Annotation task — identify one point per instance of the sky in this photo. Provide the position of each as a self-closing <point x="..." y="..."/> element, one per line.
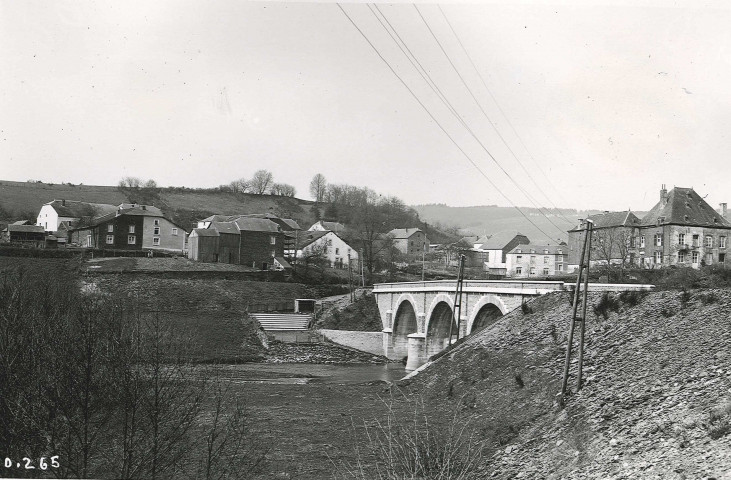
<point x="569" y="104"/>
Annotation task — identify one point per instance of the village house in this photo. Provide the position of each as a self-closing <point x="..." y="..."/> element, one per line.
<point x="131" y="227"/>
<point x="327" y="247"/>
<point x="527" y="260"/>
<point x="21" y="233"/>
<point x="252" y="241"/>
<point x="681" y="229"/>
<point x="409" y="241"/>
<point x="53" y="213"/>
<point x="490" y="252"/>
<point x="614" y="239"/>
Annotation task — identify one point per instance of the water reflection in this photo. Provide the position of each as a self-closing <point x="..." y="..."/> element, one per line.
<point x="300" y="373"/>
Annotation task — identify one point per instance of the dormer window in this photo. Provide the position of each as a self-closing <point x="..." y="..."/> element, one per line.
<point x="686" y="218"/>
<point x="519" y="251"/>
<point x="545" y="251"/>
<point x="660" y="220"/>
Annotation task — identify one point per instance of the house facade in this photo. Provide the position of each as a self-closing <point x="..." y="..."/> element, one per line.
<point x="33" y="235"/>
<point x="409" y="241"/>
<point x="251" y="241"/>
<point x="327" y="247"/>
<point x="136" y="227"/>
<point x="680" y="230"/>
<point x="615" y="237"/>
<point x="530" y="261"/>
<point x="491" y="252"/>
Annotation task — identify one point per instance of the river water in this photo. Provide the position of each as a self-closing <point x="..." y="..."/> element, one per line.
<point x="303" y="373"/>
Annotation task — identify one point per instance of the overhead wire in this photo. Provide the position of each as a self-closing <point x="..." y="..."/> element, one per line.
<point x="510" y="124"/>
<point x="477" y="102"/>
<point x="423" y="106"/>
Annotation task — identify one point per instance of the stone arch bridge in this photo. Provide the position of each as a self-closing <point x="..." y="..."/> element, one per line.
<point x="416" y="316"/>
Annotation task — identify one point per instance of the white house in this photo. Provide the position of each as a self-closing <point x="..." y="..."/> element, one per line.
<point x="495" y="250"/>
<point x="537" y="260"/>
<point x="57" y="211"/>
<point x="327" y="246"/>
<point x="323" y="226"/>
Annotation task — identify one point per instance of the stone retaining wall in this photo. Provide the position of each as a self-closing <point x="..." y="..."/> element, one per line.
<point x="371" y="342"/>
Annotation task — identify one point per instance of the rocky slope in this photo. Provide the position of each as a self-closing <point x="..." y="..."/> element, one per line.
<point x="655" y="403"/>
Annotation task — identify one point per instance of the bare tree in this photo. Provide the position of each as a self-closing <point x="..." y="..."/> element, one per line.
<point x="612" y="248"/>
<point x="241" y="185"/>
<point x="283" y="189"/>
<point x="262" y="181"/>
<point x="130" y="182"/>
<point x="318" y="187"/>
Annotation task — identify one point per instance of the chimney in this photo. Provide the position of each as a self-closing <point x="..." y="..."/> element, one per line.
<point x="63" y="203"/>
<point x="663" y="195"/>
<point x="144" y="207"/>
<point x="723" y="209"/>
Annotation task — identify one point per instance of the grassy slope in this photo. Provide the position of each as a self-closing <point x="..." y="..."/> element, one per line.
<point x="653" y="372"/>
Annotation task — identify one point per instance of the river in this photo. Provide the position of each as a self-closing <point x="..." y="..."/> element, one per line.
<point x="304" y="373"/>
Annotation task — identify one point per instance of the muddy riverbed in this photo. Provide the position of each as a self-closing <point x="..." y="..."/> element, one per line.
<point x="310" y="415"/>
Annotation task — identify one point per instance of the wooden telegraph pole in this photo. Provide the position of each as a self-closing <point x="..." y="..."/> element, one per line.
<point x="457" y="312"/>
<point x="583" y="274"/>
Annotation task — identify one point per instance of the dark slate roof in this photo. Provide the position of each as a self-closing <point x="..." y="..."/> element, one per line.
<point x="500" y="240"/>
<point x="684" y="207"/>
<point x="77" y="209"/>
<point x="225" y="227"/>
<point x="401" y="233"/>
<point x="147" y="211"/>
<point x="205" y="232"/>
<point x="21" y="222"/>
<point x="310" y="236"/>
<point x="624" y="218"/>
<point x="292" y="224"/>
<point x="25" y="228"/>
<point x="249" y="224"/>
<point x="532" y="249"/>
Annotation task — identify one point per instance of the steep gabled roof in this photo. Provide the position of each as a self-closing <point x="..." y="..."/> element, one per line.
<point x="78" y="209"/>
<point x="624" y="218"/>
<point x="309" y="237"/>
<point x="683" y="206"/>
<point x="225" y="227"/>
<point x="249" y="224"/>
<point x="500" y="240"/>
<point x="401" y="233"/>
<point x="204" y="232"/>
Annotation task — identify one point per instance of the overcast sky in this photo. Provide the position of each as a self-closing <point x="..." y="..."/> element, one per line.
<point x="608" y="101"/>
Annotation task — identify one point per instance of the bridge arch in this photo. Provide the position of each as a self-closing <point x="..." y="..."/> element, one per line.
<point x="486" y="311"/>
<point x="404" y="323"/>
<point x="439" y="326"/>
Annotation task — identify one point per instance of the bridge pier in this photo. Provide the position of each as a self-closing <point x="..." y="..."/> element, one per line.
<point x="387" y="335"/>
<point x="417" y="355"/>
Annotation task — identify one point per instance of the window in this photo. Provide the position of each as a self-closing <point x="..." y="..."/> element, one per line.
<point x="721" y="257"/>
<point x="545" y="271"/>
<point x="694" y="257"/>
<point x="175" y="231"/>
<point x="518" y="270"/>
<point x="559" y="258"/>
<point x="487" y="256"/>
<point x="532" y="270"/>
<point x="532" y="259"/>
<point x="722" y="242"/>
<point x="682" y="257"/>
<point x="709" y="258"/>
<point x="337" y="251"/>
<point x="642" y="241"/>
<point x="658" y="256"/>
<point x="110" y="228"/>
<point x="681" y="239"/>
<point x="273" y="253"/>
<point x="695" y="240"/>
<point x="157" y="222"/>
<point x="131" y="239"/>
<point x="658" y="239"/>
<point x="156" y="231"/>
<point x="632" y="241"/>
<point x="89" y="242"/>
<point x="272" y="240"/>
<point x="110" y="239"/>
<point x="559" y="267"/>
<point x="156" y="241"/>
<point x="545" y="251"/>
<point x="518" y="258"/>
<point x="131" y="229"/>
<point x="709" y="241"/>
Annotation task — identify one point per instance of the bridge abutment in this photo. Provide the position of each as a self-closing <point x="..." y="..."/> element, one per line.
<point x="418" y="353"/>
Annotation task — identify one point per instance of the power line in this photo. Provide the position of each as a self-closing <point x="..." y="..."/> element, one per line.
<point x="436" y="121"/>
<point x="497" y="104"/>
<point x="464" y="82"/>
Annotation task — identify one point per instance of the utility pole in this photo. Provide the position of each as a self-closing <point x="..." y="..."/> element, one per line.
<point x="362" y="272"/>
<point x="350" y="279"/>
<point x="583" y="275"/>
<point x="423" y="258"/>
<point x="457" y="311"/>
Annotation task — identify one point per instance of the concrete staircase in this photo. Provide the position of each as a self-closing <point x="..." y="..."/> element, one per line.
<point x="283" y="321"/>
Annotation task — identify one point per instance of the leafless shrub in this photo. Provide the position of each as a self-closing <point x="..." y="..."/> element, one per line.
<point x="417" y="447"/>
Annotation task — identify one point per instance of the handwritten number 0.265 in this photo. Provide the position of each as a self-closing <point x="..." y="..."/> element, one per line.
<point x="29" y="463"/>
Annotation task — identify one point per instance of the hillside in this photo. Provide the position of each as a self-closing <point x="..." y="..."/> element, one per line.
<point x="655" y="403"/>
<point x="490" y="219"/>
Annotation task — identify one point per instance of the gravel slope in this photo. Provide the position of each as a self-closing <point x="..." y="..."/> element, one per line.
<point x="655" y="372"/>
